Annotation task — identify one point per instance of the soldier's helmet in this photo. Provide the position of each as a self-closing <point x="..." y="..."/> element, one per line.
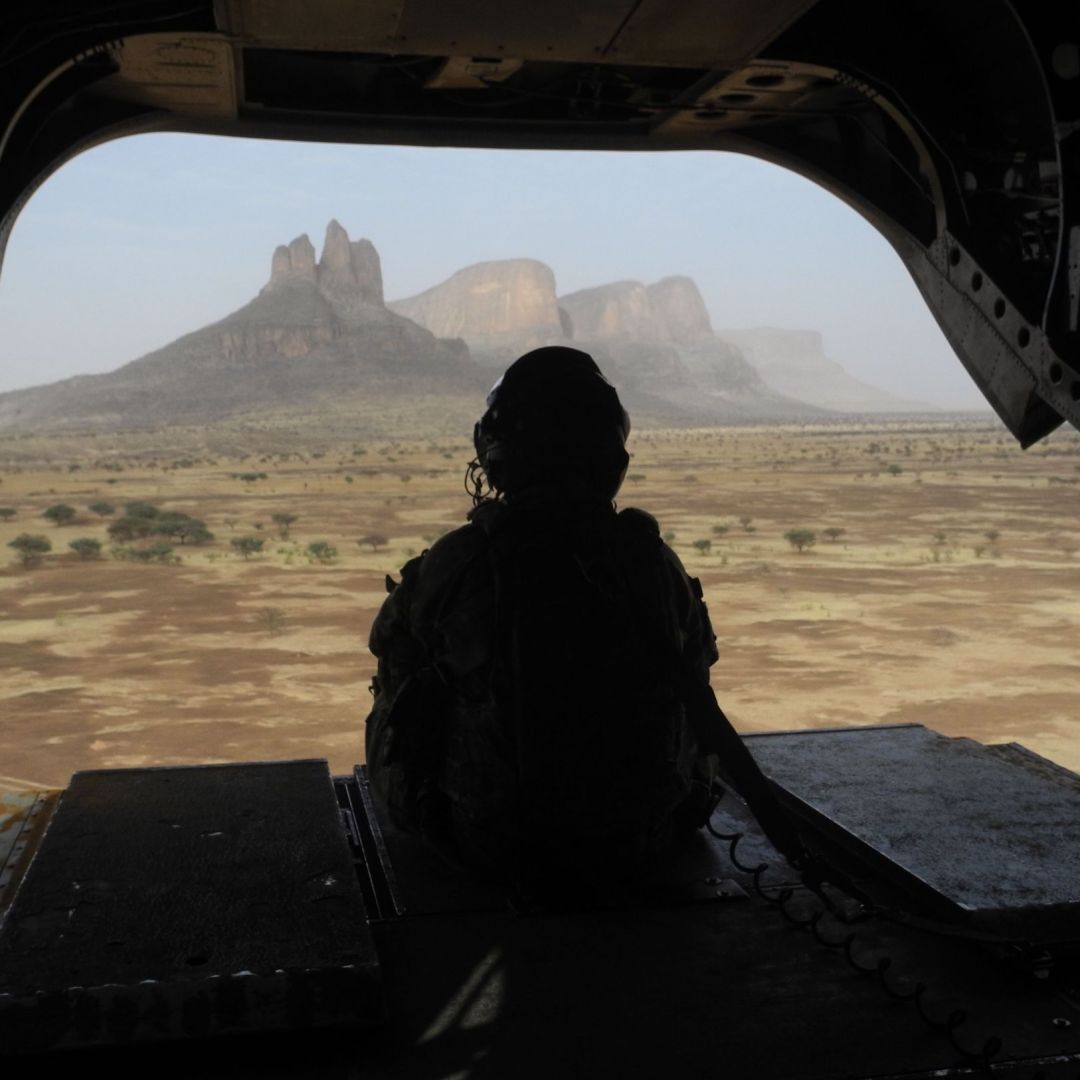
<point x="553" y="418"/>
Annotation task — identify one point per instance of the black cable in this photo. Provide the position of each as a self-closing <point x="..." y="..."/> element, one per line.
<point x="477" y="485"/>
<point x="135" y="23"/>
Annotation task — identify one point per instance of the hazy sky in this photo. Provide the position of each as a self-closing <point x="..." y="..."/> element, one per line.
<point x="146" y="238"/>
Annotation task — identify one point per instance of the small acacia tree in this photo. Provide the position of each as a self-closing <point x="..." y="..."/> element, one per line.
<point x="158" y="551"/>
<point x="137" y="522"/>
<point x="834" y="533"/>
<point x="321" y="550"/>
<point x="102" y="508"/>
<point x="60" y="514"/>
<point x="703" y="546"/>
<point x="7" y="513"/>
<point x="801" y="539"/>
<point x="272" y="620"/>
<point x="283" y="521"/>
<point x="86" y="547"/>
<point x="30" y="548"/>
<point x="140" y="509"/>
<point x="375" y="540"/>
<point x="182" y="527"/>
<point x="248" y="545"/>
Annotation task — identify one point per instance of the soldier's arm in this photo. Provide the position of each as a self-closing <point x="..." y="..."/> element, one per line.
<point x="698" y="639"/>
<point x="392" y="643"/>
<point x="700" y="646"/>
<point x="392" y="640"/>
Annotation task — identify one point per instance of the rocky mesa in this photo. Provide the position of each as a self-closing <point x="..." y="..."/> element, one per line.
<point x="654" y="341"/>
<point x="317" y="331"/>
<point x="794" y="363"/>
<point x="500" y="308"/>
<point x="319" y="337"/>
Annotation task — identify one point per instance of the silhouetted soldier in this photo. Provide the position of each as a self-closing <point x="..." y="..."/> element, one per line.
<point x="542" y="690"/>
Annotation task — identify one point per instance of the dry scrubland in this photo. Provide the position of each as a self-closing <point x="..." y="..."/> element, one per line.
<point x="949" y="598"/>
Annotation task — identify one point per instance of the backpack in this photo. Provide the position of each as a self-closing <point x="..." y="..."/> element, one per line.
<point x="604" y="751"/>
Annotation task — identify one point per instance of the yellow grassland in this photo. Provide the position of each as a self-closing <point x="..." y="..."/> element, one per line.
<point x="950" y="598"/>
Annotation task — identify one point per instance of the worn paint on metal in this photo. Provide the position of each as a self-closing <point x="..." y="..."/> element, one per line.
<point x="24" y="816"/>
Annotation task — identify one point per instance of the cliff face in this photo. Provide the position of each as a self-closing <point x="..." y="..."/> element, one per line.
<point x="294" y="262"/>
<point x="654" y="341"/>
<point x="679" y="310"/>
<point x="349" y="274"/>
<point x="670" y="310"/>
<point x="659" y="340"/>
<point x="317" y="328"/>
<point x="620" y="311"/>
<point x="507" y="306"/>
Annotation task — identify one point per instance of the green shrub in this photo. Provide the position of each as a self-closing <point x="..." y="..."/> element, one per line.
<point x="60" y="514"/>
<point x="322" y="551"/>
<point x="248" y="545"/>
<point x="283" y="521"/>
<point x="801" y="539"/>
<point x="158" y="551"/>
<point x="30" y="548"/>
<point x="86" y="547"/>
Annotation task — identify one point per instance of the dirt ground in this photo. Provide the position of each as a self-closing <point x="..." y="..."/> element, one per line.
<point x="948" y="599"/>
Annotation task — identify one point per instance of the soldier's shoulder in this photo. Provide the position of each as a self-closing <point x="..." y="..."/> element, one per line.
<point x="639" y="521"/>
<point x="454" y="547"/>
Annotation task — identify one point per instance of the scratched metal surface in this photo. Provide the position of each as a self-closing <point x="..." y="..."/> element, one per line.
<point x="24" y="816"/>
<point x="14" y="807"/>
<point x="187" y="901"/>
<point x="984" y="831"/>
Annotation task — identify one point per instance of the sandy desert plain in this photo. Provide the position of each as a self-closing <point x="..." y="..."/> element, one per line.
<point x="949" y="598"/>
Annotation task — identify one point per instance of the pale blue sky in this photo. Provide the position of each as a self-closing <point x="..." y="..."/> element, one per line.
<point x="141" y="240"/>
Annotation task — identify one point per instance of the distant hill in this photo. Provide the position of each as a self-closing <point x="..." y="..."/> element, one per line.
<point x="655" y="342"/>
<point x="318" y="345"/>
<point x="794" y="363"/>
<point x="317" y="332"/>
<point x="501" y="309"/>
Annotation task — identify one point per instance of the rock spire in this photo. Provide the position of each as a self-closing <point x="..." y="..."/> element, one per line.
<point x="293" y="262"/>
<point x="348" y="272"/>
